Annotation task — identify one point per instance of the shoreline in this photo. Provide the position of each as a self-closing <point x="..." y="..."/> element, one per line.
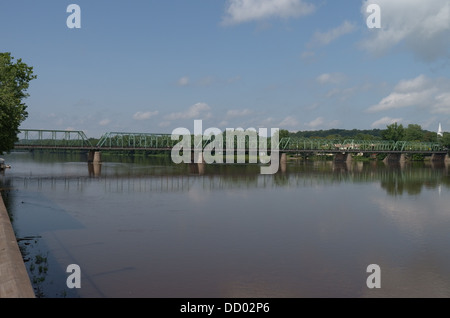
<point x="14" y="279"/>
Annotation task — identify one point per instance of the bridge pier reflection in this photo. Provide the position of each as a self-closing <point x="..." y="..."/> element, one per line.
<point x="283" y="162"/>
<point x="94" y="169"/>
<point x="341" y="166"/>
<point x="197" y="168"/>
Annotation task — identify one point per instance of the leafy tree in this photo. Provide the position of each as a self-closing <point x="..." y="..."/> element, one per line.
<point x="340" y="133"/>
<point x="413" y="132"/>
<point x="445" y="140"/>
<point x="361" y="136"/>
<point x="430" y="136"/>
<point x="283" y="133"/>
<point x="393" y="132"/>
<point x="14" y="82"/>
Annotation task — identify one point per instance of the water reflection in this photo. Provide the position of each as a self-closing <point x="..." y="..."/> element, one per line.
<point x="95" y="169"/>
<point x="156" y="175"/>
<point x="147" y="228"/>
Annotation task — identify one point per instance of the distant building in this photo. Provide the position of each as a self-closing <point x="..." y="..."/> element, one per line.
<point x="440" y="132"/>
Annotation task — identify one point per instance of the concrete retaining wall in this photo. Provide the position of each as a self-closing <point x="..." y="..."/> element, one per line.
<point x="14" y="279"/>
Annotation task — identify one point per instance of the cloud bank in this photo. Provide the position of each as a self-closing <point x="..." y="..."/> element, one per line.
<point x="241" y="11"/>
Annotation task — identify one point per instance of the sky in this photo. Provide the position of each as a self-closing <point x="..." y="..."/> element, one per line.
<point x="153" y="66"/>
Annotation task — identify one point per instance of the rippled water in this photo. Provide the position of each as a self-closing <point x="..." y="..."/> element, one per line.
<point x="141" y="227"/>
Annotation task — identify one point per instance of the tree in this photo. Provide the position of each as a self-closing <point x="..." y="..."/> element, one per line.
<point x="14" y="82"/>
<point x="445" y="140"/>
<point x="284" y="134"/>
<point x="393" y="132"/>
<point x="414" y="132"/>
<point x="430" y="136"/>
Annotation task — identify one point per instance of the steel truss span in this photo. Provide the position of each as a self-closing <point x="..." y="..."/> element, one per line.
<point x="75" y="139"/>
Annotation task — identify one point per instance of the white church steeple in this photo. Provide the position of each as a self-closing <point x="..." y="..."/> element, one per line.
<point x="440" y="132"/>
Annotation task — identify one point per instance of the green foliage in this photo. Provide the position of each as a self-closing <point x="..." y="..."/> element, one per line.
<point x="283" y="133"/>
<point x="393" y="132"/>
<point x="340" y="134"/>
<point x="430" y="136"/>
<point x="417" y="157"/>
<point x="94" y="141"/>
<point x="14" y="82"/>
<point x="445" y="140"/>
<point x="413" y="132"/>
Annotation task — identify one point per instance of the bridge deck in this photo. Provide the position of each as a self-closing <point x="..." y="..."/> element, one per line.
<point x="117" y="141"/>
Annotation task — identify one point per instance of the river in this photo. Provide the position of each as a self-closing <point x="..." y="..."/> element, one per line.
<point x="146" y="228"/>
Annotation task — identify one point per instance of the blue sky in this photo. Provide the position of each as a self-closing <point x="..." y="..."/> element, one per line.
<point x="153" y="66"/>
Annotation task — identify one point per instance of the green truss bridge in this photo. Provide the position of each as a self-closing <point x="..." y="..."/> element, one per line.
<point x="29" y="139"/>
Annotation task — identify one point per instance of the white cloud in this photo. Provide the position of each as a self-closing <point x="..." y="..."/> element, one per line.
<point x="164" y="124"/>
<point x="400" y="100"/>
<point x="325" y="38"/>
<point x="184" y="81"/>
<point x="316" y="122"/>
<point x="104" y="122"/>
<point x="442" y="105"/>
<point x="223" y="123"/>
<point x="321" y="123"/>
<point x="145" y="115"/>
<point x="307" y="55"/>
<point x="238" y="113"/>
<point x="330" y="78"/>
<point x="422" y="27"/>
<point x="333" y="93"/>
<point x="406" y="86"/>
<point x="198" y="111"/>
<point x="289" y="122"/>
<point x="385" y="121"/>
<point x="240" y="11"/>
<point x="422" y="92"/>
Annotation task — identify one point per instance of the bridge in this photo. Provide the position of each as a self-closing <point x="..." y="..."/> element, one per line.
<point x="29" y="139"/>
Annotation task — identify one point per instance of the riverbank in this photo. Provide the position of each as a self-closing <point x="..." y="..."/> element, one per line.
<point x="14" y="279"/>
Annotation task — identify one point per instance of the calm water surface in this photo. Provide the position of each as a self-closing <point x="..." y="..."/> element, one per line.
<point x="141" y="227"/>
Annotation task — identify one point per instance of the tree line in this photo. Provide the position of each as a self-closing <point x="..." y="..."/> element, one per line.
<point x="394" y="132"/>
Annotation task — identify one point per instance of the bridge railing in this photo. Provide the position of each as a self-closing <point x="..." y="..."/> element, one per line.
<point x="135" y="141"/>
<point x="124" y="140"/>
<point x="316" y="144"/>
<point x="33" y="138"/>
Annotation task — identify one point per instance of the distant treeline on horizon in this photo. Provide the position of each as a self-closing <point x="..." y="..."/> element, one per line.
<point x="339" y="133"/>
<point x="393" y="132"/>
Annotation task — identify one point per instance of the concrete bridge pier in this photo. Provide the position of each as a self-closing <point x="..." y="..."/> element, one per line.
<point x="343" y="157"/>
<point x="395" y="158"/>
<point x="437" y="157"/>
